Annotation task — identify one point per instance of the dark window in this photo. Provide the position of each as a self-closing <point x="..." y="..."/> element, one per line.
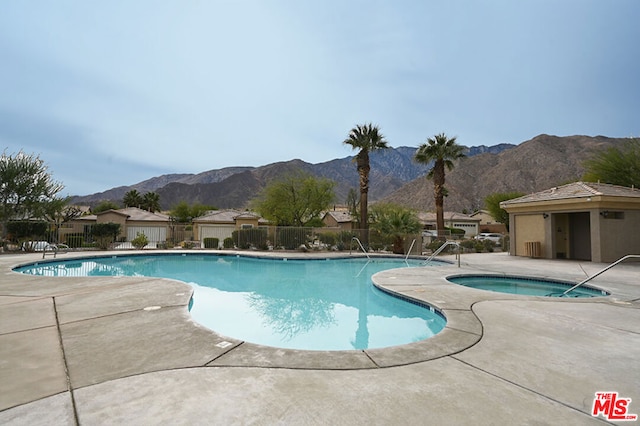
<point x="612" y="215"/>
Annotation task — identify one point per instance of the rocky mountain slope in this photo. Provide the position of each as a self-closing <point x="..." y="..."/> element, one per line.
<point x="537" y="164"/>
<point x="236" y="186"/>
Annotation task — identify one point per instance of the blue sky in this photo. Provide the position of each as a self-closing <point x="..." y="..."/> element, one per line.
<point x="113" y="93"/>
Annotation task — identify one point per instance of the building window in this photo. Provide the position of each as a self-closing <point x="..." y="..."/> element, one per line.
<point x="246" y="226"/>
<point x="612" y="215"/>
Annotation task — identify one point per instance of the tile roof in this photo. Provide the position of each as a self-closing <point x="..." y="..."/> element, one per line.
<point x="431" y="217"/>
<point x="228" y="216"/>
<point x="136" y="214"/>
<point x="341" y="216"/>
<point x="576" y="190"/>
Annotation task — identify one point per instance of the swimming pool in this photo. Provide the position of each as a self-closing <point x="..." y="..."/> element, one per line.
<point x="523" y="285"/>
<point x="311" y="304"/>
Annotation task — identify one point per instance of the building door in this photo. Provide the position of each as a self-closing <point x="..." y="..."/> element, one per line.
<point x="580" y="235"/>
<point x="561" y="230"/>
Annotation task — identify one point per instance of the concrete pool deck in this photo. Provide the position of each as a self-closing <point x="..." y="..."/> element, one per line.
<point x="106" y="350"/>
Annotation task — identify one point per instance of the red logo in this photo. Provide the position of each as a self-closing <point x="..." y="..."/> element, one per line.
<point x="612" y="407"/>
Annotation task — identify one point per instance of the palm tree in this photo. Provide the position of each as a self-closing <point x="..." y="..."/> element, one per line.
<point x="151" y="202"/>
<point x="442" y="151"/>
<point x="396" y="222"/>
<point x="132" y="199"/>
<point x="367" y="138"/>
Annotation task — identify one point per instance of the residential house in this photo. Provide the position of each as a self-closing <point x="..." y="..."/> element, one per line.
<point x="451" y="220"/>
<point x="221" y="224"/>
<point x="488" y="223"/>
<point x="132" y="221"/>
<point x="582" y="221"/>
<point x="341" y="219"/>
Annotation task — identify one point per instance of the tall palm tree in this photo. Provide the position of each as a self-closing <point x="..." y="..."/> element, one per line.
<point x="151" y="202"/>
<point x="442" y="151"/>
<point x="132" y="199"/>
<point x="366" y="138"/>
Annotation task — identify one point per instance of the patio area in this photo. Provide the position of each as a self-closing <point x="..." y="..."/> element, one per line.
<point x="105" y="350"/>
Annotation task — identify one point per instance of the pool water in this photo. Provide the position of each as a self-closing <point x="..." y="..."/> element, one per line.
<point x="525" y="286"/>
<point x="296" y="304"/>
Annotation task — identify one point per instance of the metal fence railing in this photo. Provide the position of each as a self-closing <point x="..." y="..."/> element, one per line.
<point x="79" y="236"/>
<point x="262" y="238"/>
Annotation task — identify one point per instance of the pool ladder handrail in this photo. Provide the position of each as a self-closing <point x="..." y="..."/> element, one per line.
<point x="55" y="249"/>
<point x="410" y="248"/>
<point x="629" y="256"/>
<point x="442" y="247"/>
<point x="361" y="247"/>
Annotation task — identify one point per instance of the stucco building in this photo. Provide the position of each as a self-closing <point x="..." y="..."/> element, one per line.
<point x="451" y="220"/>
<point x="132" y="221"/>
<point x="221" y="223"/>
<point x="341" y="219"/>
<point x="582" y="221"/>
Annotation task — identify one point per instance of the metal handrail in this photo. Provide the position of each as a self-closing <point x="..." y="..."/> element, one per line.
<point x="361" y="246"/>
<point x="55" y="248"/>
<point x="410" y="248"/>
<point x="437" y="252"/>
<point x="629" y="256"/>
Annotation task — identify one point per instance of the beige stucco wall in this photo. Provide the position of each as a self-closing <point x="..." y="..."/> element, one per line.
<point x="330" y="221"/>
<point x="115" y="218"/>
<point x="618" y="237"/>
<point x="525" y="228"/>
<point x="610" y="238"/>
<point x="485" y="218"/>
<point x="246" y="221"/>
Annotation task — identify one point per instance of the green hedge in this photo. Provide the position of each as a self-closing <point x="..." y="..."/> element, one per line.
<point x="211" y="243"/>
<point x="328" y="238"/>
<point x="26" y="229"/>
<point x="105" y="233"/>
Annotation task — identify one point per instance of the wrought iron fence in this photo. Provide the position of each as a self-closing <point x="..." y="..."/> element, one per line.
<point x="262" y="238"/>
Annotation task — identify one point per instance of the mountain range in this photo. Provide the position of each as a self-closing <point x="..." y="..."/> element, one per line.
<point x="530" y="166"/>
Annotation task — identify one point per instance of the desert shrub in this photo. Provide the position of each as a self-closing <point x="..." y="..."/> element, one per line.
<point x="328" y="238"/>
<point x="456" y="232"/>
<point x="140" y="241"/>
<point x="315" y="222"/>
<point x="468" y="244"/>
<point x="379" y="241"/>
<point x="252" y="237"/>
<point x="211" y="242"/>
<point x="291" y="238"/>
<point x="488" y="245"/>
<point x="435" y="245"/>
<point x="105" y="233"/>
<point x="344" y="240"/>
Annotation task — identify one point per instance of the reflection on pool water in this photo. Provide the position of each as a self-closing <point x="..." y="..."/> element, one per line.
<point x="327" y="304"/>
<point x="528" y="286"/>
